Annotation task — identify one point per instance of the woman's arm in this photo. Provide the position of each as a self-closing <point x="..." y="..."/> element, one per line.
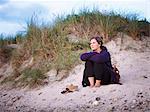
<point x="86" y="56"/>
<point x="100" y="57"/>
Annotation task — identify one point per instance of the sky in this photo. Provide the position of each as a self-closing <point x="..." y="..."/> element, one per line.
<point x="15" y="14"/>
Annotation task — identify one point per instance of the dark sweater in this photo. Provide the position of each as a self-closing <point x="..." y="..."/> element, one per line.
<point x="102" y="57"/>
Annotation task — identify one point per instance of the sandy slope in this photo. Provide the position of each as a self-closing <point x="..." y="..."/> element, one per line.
<point x="133" y="95"/>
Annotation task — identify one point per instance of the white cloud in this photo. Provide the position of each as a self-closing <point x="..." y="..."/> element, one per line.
<point x="11" y="28"/>
<point x="54" y="7"/>
<point x="14" y="11"/>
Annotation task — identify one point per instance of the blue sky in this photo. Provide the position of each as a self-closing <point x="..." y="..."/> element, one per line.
<point x="14" y="14"/>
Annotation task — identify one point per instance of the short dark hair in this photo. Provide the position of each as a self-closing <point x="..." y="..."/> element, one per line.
<point x="98" y="39"/>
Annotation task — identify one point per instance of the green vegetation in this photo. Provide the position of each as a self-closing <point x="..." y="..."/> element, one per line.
<point x="50" y="46"/>
<point x="32" y="77"/>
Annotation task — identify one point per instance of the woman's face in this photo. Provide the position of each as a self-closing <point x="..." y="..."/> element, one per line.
<point x="94" y="45"/>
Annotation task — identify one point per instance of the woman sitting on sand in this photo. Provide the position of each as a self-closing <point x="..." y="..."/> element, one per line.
<point x="97" y="62"/>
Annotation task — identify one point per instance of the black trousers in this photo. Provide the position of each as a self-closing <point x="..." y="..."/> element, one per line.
<point x="99" y="71"/>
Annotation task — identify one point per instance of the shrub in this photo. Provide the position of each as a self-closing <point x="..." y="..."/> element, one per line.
<point x="132" y="26"/>
<point x="32" y="77"/>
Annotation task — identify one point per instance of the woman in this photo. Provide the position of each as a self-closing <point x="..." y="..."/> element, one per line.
<point x="97" y="64"/>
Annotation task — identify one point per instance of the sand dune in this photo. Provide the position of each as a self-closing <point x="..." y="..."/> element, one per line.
<point x="133" y="95"/>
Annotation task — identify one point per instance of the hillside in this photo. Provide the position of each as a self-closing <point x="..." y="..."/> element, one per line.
<point x="133" y="60"/>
